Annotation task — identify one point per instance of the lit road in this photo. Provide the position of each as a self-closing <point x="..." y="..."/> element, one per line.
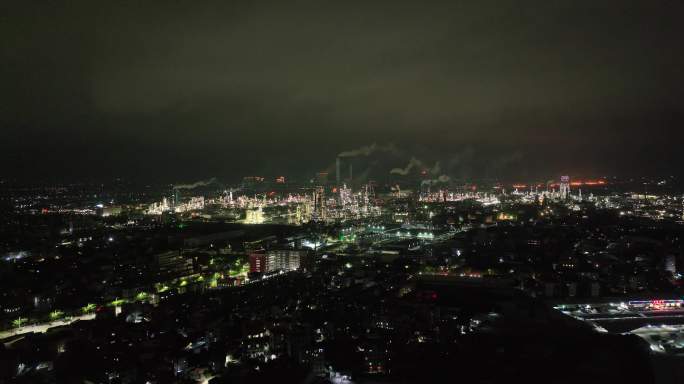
<point x="636" y="317"/>
<point x="639" y="317"/>
<point x="663" y="338"/>
<point x="43" y="327"/>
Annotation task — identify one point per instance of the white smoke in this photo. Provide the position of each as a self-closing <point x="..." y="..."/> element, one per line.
<point x="368" y="150"/>
<point x="415" y="163"/>
<point x="201" y="183"/>
<point x="435" y="169"/>
<point x="442" y="179"/>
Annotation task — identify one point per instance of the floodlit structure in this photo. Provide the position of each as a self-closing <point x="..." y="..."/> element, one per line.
<point x="319" y="204"/>
<point x="276" y="260"/>
<point x="564" y="187"/>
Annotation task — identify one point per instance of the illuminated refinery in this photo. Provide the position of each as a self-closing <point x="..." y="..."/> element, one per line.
<point x="424" y="244"/>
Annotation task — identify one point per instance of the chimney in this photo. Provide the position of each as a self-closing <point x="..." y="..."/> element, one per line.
<point x="337" y="170"/>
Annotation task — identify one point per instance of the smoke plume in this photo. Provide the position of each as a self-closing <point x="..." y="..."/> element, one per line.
<point x="368" y="150"/>
<point x="201" y="183"/>
<point x="440" y="180"/>
<point x="415" y="163"/>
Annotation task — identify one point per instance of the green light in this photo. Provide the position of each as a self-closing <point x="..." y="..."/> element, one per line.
<point x="88" y="308"/>
<point x="183" y="283"/>
<point x="243" y="270"/>
<point x="117" y="302"/>
<point x="141" y="296"/>
<point x="54" y="315"/>
<point x="19" y="322"/>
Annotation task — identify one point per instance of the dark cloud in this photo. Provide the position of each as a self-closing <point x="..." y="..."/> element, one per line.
<point x="185" y="90"/>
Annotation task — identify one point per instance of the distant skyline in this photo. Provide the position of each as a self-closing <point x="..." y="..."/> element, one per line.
<point x="488" y="89"/>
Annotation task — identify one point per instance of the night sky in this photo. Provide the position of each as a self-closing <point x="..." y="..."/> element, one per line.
<point x="182" y="90"/>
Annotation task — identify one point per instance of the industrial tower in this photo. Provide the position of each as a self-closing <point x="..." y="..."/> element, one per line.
<point x="564" y="187"/>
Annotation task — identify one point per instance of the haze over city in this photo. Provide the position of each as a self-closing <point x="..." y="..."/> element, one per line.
<point x="187" y="90"/>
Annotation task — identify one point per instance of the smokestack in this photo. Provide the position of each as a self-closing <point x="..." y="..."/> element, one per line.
<point x="337" y="170"/>
<point x="351" y="174"/>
